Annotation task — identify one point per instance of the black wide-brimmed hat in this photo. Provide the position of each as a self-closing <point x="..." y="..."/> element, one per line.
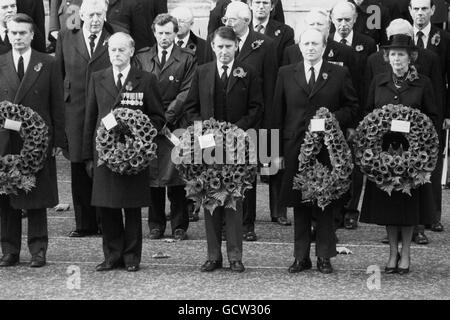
<point x="400" y="41"/>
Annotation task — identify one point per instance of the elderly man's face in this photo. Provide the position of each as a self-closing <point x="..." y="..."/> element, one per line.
<point x="421" y="12"/>
<point x="20" y="35"/>
<point x="8" y="9"/>
<point x="233" y="19"/>
<point x="94" y="17"/>
<point x="343" y="20"/>
<point x="312" y="46"/>
<point x="120" y="51"/>
<point x="318" y="21"/>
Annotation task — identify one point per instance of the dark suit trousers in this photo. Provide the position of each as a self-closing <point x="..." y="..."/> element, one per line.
<point x="11" y="229"/>
<point x="87" y="217"/>
<point x="179" y="215"/>
<point x="276" y="210"/>
<point x="325" y="234"/>
<point x="436" y="177"/>
<point x="122" y="241"/>
<point x="233" y="229"/>
<point x="249" y="209"/>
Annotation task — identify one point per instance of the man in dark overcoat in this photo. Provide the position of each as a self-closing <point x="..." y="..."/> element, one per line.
<point x="174" y="68"/>
<point x="31" y="79"/>
<point x="301" y="90"/>
<point x="113" y="192"/>
<point x="219" y="91"/>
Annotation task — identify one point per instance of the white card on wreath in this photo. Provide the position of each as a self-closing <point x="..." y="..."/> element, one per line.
<point x="317" y="125"/>
<point x="400" y="126"/>
<point x="207" y="141"/>
<point x="13" y="125"/>
<point x="109" y="121"/>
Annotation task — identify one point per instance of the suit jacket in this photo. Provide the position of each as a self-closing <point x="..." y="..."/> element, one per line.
<point x="40" y="90"/>
<point x="294" y="106"/>
<point x="198" y="46"/>
<point x="427" y="63"/>
<point x="263" y="59"/>
<point x="216" y="14"/>
<point x="110" y="189"/>
<point x="174" y="82"/>
<point x="4" y="48"/>
<point x="282" y="36"/>
<point x="35" y="9"/>
<point x="76" y="67"/>
<point x="362" y="44"/>
<point x="244" y="102"/>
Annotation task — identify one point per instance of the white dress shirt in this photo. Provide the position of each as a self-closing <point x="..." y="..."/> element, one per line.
<point x="124" y="73"/>
<point x="317" y="67"/>
<point x="349" y="38"/>
<point x="169" y="52"/>
<point x="2" y="32"/>
<point x="219" y="68"/>
<point x="26" y="59"/>
<point x="185" y="40"/>
<point x="243" y="38"/>
<point x="86" y="35"/>
<point x="426" y="34"/>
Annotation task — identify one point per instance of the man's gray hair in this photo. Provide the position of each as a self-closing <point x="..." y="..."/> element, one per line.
<point x="127" y="37"/>
<point x="86" y="3"/>
<point x="244" y="9"/>
<point x="400" y="26"/>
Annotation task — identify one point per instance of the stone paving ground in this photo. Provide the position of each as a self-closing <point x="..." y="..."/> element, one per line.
<point x="70" y="272"/>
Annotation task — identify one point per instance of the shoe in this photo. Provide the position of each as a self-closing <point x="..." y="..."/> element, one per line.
<point x="24" y="214"/>
<point x="324" y="265"/>
<point x="420" y="238"/>
<point x="37" y="261"/>
<point x="9" y="260"/>
<point x="300" y="265"/>
<point x="104" y="266"/>
<point x="81" y="233"/>
<point x="403" y="271"/>
<point x="282" y="221"/>
<point x="132" y="268"/>
<point x="385" y="240"/>
<point x="155" y="234"/>
<point x="389" y="270"/>
<point x="180" y="234"/>
<point x="350" y="224"/>
<point x="437" y="227"/>
<point x="250" y="236"/>
<point x="236" y="266"/>
<point x="211" y="265"/>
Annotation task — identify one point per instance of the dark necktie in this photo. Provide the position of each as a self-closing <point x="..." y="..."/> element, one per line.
<point x="119" y="82"/>
<point x="259" y="28"/>
<point x="180" y="43"/>
<point x="343" y="41"/>
<point x="237" y="51"/>
<point x="163" y="58"/>
<point x="6" y="41"/>
<point x="312" y="80"/>
<point x="20" y="68"/>
<point x="92" y="38"/>
<point x="420" y="43"/>
<point x="224" y="76"/>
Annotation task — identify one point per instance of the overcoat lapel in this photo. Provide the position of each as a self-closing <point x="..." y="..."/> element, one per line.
<point x="80" y="46"/>
<point x="321" y="79"/>
<point x="10" y="73"/>
<point x="208" y="82"/>
<point x="300" y="77"/>
<point x="108" y="83"/>
<point x="247" y="47"/>
<point x="32" y="73"/>
<point x="101" y="48"/>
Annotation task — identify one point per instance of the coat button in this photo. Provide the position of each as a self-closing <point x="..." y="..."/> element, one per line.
<point x="396" y="97"/>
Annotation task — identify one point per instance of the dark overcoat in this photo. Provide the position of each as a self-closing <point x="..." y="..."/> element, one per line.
<point x="40" y="90"/>
<point x="35" y="9"/>
<point x="198" y="46"/>
<point x="76" y="68"/>
<point x="110" y="189"/>
<point x="174" y="82"/>
<point x="295" y="106"/>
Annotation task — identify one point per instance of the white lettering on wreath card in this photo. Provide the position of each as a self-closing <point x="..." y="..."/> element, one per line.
<point x="207" y="141"/>
<point x="317" y="125"/>
<point x="109" y="121"/>
<point x="400" y="126"/>
<point x="13" y="125"/>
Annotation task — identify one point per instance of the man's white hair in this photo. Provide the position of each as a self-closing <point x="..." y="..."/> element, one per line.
<point x="344" y="4"/>
<point x="318" y="11"/>
<point x="86" y="3"/>
<point x="243" y="9"/>
<point x="400" y="26"/>
<point x="182" y="11"/>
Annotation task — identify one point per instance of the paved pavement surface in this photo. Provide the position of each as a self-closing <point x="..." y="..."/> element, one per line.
<point x="70" y="271"/>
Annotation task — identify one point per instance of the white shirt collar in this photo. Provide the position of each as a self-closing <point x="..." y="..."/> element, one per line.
<point x="124" y="73"/>
<point x="86" y="35"/>
<point x="426" y="34"/>
<point x="243" y="38"/>
<point x="349" y="38"/>
<point x="220" y="70"/>
<point x="2" y="32"/>
<point x="169" y="52"/>
<point x="185" y="40"/>
<point x="317" y="68"/>
<point x="26" y="58"/>
<point x="264" y="24"/>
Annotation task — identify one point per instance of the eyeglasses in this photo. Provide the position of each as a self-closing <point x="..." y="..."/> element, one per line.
<point x="232" y="20"/>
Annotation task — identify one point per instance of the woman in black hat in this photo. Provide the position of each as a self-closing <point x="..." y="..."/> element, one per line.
<point x="399" y="212"/>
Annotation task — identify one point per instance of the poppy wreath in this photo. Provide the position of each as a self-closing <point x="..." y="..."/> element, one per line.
<point x="316" y="181"/>
<point x="127" y="148"/>
<point x="17" y="171"/>
<point x="396" y="170"/>
<point x="216" y="183"/>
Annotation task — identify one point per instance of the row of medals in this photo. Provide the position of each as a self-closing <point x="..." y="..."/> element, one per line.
<point x="132" y="98"/>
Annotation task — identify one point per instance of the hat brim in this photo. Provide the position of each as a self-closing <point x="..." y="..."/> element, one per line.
<point x="399" y="46"/>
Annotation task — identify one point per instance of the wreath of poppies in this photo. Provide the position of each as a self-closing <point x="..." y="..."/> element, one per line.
<point x="396" y="170"/>
<point x="221" y="183"/>
<point x="316" y="181"/>
<point x="17" y="171"/>
<point x="127" y="148"/>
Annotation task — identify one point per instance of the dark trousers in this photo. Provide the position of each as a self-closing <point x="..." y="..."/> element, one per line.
<point x="325" y="234"/>
<point x="249" y="209"/>
<point x="276" y="209"/>
<point x="351" y="208"/>
<point x="87" y="217"/>
<point x="233" y="229"/>
<point x="122" y="242"/>
<point x="179" y="215"/>
<point x="11" y="229"/>
<point x="436" y="185"/>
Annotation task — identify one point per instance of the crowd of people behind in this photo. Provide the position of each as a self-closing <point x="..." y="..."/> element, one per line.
<point x="341" y="62"/>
